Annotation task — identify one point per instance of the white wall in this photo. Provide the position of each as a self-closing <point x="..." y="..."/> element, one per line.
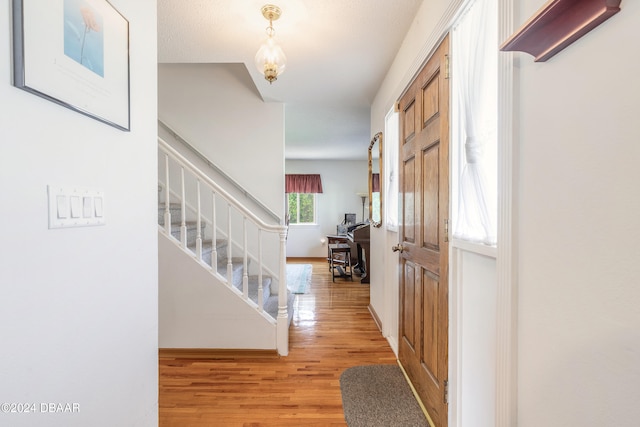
<point x="579" y="141"/>
<point x="78" y="310"/>
<point x="192" y="303"/>
<point x="217" y="109"/>
<point x="475" y="286"/>
<point x="341" y="181"/>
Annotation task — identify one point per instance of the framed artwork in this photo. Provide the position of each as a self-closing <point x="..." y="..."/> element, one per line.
<point x="76" y="54"/>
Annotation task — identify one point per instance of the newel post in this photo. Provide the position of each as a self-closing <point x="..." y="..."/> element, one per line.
<point x="283" y="317"/>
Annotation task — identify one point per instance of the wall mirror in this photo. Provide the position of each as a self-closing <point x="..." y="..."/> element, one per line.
<point x="375" y="183"/>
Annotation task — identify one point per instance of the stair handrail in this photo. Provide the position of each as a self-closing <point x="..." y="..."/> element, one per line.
<point x="219" y="171"/>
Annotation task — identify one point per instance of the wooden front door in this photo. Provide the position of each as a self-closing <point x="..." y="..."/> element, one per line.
<point x="424" y="192"/>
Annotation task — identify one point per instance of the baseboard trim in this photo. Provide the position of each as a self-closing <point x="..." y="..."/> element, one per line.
<point x="375" y="317"/>
<point x="216" y="353"/>
<point x="307" y="259"/>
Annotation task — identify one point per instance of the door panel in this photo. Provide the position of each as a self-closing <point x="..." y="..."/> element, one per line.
<point x="424" y="189"/>
<point x="430" y="159"/>
<point x="430" y="313"/>
<point x="409" y="125"/>
<point x="430" y="98"/>
<point x="408" y="202"/>
<point x="408" y="300"/>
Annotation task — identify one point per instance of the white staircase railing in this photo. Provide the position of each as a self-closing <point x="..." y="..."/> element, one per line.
<point x="194" y="185"/>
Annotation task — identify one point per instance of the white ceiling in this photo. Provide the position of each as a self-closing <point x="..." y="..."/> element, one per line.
<point x="338" y="52"/>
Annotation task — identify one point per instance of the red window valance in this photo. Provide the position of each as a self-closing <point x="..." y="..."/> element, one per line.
<point x="302" y="183"/>
<point x="375" y="182"/>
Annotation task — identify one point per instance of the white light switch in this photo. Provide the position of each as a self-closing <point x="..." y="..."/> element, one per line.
<point x="75" y="207"/>
<point x="62" y="207"/>
<point x="87" y="212"/>
<point x="97" y="205"/>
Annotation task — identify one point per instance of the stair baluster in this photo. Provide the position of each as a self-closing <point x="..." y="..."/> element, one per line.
<point x="229" y="254"/>
<point x="167" y="210"/>
<point x="214" y="232"/>
<point x="183" y="212"/>
<point x="198" y="223"/>
<point x="245" y="265"/>
<point x="282" y="325"/>
<point x="260" y="287"/>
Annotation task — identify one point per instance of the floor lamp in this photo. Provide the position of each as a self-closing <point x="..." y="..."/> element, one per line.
<point x="363" y="196"/>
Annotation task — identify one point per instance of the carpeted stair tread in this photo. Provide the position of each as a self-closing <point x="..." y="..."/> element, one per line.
<point x="192" y="231"/>
<point x="237" y="267"/>
<point x="174" y="210"/>
<point x="271" y="306"/>
<point x="253" y="282"/>
<point x="207" y="244"/>
<point x="207" y="248"/>
<point x="188" y="224"/>
<point x="270" y="301"/>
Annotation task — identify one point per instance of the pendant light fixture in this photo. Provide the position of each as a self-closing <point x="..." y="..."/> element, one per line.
<point x="270" y="59"/>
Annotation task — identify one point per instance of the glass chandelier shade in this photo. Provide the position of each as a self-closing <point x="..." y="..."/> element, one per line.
<point x="270" y="59"/>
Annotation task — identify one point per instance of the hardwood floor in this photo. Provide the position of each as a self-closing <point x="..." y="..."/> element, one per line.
<point x="331" y="330"/>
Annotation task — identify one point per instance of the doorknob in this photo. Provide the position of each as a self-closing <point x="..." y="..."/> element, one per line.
<point x="397" y="248"/>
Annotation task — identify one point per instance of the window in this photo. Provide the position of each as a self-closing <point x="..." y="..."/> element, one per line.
<point x="302" y="208"/>
<point x="301" y="197"/>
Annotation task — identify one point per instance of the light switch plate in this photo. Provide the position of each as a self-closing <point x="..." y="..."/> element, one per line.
<point x="75" y="207"/>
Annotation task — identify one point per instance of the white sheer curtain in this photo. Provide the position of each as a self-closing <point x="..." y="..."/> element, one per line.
<point x="391" y="137"/>
<point x="474" y="72"/>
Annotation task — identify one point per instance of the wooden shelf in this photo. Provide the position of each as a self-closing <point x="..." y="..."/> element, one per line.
<point x="558" y="24"/>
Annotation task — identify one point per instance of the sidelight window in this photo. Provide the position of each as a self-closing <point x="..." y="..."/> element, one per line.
<point x="474" y="67"/>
